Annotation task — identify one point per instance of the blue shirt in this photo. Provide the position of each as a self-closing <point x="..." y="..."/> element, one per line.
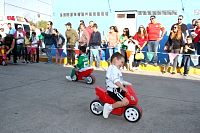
<point x="12" y="31"/>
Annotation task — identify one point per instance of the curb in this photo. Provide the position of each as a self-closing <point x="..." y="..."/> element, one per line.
<point x="105" y="64"/>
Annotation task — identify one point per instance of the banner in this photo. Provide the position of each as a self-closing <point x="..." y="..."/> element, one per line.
<point x="150" y="55"/>
<point x="171" y="57"/>
<point x="195" y="59"/>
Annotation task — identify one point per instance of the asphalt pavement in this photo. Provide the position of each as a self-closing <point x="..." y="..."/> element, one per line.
<point x="36" y="98"/>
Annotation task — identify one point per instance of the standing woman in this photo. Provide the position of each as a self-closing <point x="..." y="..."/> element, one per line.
<point x="174" y="45"/>
<point x="123" y="41"/>
<point x="59" y="42"/>
<point x="142" y="38"/>
<point x="113" y="40"/>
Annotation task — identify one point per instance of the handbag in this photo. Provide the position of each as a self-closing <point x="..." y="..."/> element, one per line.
<point x="139" y="56"/>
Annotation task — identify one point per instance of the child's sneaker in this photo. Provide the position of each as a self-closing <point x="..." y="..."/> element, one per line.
<point x="106" y="110"/>
<point x="69" y="78"/>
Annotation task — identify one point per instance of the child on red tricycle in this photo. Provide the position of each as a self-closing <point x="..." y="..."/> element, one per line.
<point x="81" y="71"/>
<point x="119" y="97"/>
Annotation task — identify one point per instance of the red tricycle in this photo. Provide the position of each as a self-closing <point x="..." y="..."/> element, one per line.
<point x="85" y="74"/>
<point x="132" y="112"/>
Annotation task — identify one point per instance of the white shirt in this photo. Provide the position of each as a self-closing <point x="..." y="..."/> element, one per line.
<point x="113" y="75"/>
<point x="20" y="37"/>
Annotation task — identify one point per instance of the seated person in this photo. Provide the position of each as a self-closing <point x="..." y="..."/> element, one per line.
<point x="115" y="84"/>
<point x="82" y="63"/>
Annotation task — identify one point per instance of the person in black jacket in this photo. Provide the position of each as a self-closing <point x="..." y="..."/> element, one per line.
<point x="48" y="41"/>
<point x="95" y="42"/>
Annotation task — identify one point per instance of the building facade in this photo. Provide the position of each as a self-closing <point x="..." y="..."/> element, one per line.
<point x="34" y="10"/>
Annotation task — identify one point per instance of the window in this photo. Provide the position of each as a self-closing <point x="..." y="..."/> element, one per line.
<point x="102" y="13"/>
<point x="130" y="15"/>
<point x="106" y="13"/>
<point x="26" y="28"/>
<point x="82" y="14"/>
<point x="120" y="15"/>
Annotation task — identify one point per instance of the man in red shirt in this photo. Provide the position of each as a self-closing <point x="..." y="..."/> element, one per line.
<point x="196" y="36"/>
<point x="153" y="29"/>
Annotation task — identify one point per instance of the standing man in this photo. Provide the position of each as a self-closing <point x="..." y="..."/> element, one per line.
<point x="95" y="42"/>
<point x="183" y="26"/>
<point x="153" y="30"/>
<point x="84" y="36"/>
<point x="72" y="38"/>
<point x="11" y="30"/>
<point x="90" y="29"/>
<point x="48" y="41"/>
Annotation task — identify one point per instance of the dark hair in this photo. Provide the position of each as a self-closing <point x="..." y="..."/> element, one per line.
<point x="28" y="33"/>
<point x="95" y="25"/>
<point x="189" y="36"/>
<point x="56" y="30"/>
<point x="83" y="49"/>
<point x="82" y="24"/>
<point x="152" y="16"/>
<point x="9" y="24"/>
<point x="91" y="21"/>
<point x="82" y="21"/>
<point x="126" y="32"/>
<point x="69" y="24"/>
<point x="33" y="33"/>
<point x="180" y="16"/>
<point x="51" y="23"/>
<point x="116" y="55"/>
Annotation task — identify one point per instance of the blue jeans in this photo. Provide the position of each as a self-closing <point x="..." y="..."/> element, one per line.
<point x="111" y="51"/>
<point x="48" y="52"/>
<point x="186" y="63"/>
<point x="94" y="52"/>
<point x="153" y="47"/>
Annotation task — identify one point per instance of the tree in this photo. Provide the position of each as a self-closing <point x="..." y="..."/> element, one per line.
<point x="41" y="24"/>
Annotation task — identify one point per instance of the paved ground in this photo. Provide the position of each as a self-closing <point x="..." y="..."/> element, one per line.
<point x="36" y="98"/>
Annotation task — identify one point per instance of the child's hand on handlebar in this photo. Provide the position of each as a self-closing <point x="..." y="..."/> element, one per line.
<point x="126" y="83"/>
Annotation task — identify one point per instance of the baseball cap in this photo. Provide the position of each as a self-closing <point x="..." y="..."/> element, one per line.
<point x="19" y="26"/>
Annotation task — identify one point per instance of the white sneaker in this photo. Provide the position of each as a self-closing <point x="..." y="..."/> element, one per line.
<point x="69" y="78"/>
<point x="106" y="110"/>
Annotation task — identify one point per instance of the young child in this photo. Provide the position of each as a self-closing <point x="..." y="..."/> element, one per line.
<point x="132" y="44"/>
<point x="115" y="84"/>
<point x="82" y="62"/>
<point x="34" y="45"/>
<point x="3" y="55"/>
<point x="27" y="47"/>
<point x="188" y="49"/>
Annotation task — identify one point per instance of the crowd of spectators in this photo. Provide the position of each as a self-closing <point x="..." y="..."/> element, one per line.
<point x="182" y="42"/>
